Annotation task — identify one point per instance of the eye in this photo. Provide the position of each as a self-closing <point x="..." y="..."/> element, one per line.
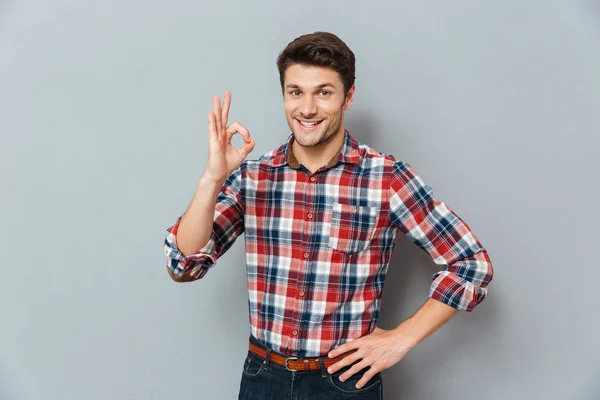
<point x="325" y="92"/>
<point x="295" y="92"/>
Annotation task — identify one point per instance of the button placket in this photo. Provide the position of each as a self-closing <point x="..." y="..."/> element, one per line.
<point x="306" y="255"/>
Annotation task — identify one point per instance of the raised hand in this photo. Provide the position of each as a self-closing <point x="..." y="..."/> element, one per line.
<point x="223" y="158"/>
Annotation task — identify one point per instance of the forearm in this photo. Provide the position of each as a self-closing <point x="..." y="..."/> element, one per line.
<point x="196" y="225"/>
<point x="429" y="318"/>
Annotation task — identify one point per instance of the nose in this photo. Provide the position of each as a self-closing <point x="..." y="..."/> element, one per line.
<point x="308" y="108"/>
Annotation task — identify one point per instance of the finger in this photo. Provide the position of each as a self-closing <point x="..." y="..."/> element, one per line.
<point x="212" y="126"/>
<point x="354" y="369"/>
<point x="348" y="360"/>
<point x="226" y="105"/>
<point x="236" y="127"/>
<point x="367" y="377"/>
<point x="217" y="111"/>
<point x="248" y="144"/>
<point x="343" y="348"/>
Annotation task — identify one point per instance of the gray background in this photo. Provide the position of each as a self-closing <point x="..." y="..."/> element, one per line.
<point x="103" y="137"/>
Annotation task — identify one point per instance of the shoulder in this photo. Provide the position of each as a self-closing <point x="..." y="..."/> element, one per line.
<point x="255" y="169"/>
<point x="258" y="163"/>
<point x="373" y="158"/>
<point x="264" y="158"/>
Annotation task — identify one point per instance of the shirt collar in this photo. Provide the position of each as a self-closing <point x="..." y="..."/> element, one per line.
<point x="348" y="152"/>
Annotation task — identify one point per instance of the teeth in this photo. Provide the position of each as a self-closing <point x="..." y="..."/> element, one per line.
<point x="308" y="123"/>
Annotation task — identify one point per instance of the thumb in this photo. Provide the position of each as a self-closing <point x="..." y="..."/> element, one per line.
<point x="247" y="147"/>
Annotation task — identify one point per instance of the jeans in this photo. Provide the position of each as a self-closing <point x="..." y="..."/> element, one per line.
<point x="265" y="380"/>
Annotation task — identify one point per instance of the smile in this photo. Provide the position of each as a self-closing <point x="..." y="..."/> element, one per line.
<point x="309" y="125"/>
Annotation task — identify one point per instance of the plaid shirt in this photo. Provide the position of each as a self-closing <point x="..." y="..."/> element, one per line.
<point x="318" y="244"/>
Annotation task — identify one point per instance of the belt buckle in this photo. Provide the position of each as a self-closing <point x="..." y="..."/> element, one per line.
<point x="286" y="363"/>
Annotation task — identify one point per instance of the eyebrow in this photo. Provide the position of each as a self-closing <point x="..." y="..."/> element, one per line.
<point x="321" y="86"/>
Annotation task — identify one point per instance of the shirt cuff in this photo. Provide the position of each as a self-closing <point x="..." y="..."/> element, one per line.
<point x="456" y="292"/>
<point x="180" y="263"/>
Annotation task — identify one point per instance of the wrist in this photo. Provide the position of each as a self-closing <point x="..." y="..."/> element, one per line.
<point x="208" y="181"/>
<point x="409" y="333"/>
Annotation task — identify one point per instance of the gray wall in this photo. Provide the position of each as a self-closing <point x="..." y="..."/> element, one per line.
<point x="103" y="136"/>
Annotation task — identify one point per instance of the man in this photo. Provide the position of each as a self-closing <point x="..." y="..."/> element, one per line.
<point x="320" y="215"/>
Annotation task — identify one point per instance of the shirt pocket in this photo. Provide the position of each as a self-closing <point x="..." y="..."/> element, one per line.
<point x="352" y="227"/>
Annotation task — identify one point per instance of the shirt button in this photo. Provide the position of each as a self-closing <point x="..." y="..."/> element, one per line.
<point x="309" y="215"/>
<point x="312" y="178"/>
<point x="354" y="210"/>
<point x="305" y="255"/>
<point x="295" y="332"/>
<point x="301" y="293"/>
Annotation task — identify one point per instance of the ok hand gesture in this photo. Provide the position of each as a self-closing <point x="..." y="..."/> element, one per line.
<point x="223" y="158"/>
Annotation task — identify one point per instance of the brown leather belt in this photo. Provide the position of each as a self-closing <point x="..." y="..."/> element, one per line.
<point x="295" y="363"/>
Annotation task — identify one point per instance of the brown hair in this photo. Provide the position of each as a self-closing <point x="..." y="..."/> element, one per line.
<point x="321" y="49"/>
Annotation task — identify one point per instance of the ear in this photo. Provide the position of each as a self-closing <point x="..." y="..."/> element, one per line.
<point x="349" y="98"/>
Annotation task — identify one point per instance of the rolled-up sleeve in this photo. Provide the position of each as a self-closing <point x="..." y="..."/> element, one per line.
<point x="435" y="228"/>
<point x="228" y="225"/>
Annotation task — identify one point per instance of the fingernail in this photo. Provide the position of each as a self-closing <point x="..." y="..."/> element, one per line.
<point x="330" y="370"/>
<point x="357" y="386"/>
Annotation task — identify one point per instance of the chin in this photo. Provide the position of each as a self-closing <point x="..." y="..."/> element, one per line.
<point x="311" y="141"/>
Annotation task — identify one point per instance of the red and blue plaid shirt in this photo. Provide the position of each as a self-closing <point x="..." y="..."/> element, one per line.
<point x="318" y="244"/>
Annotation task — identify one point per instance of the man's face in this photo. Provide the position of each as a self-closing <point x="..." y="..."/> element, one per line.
<point x="314" y="103"/>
